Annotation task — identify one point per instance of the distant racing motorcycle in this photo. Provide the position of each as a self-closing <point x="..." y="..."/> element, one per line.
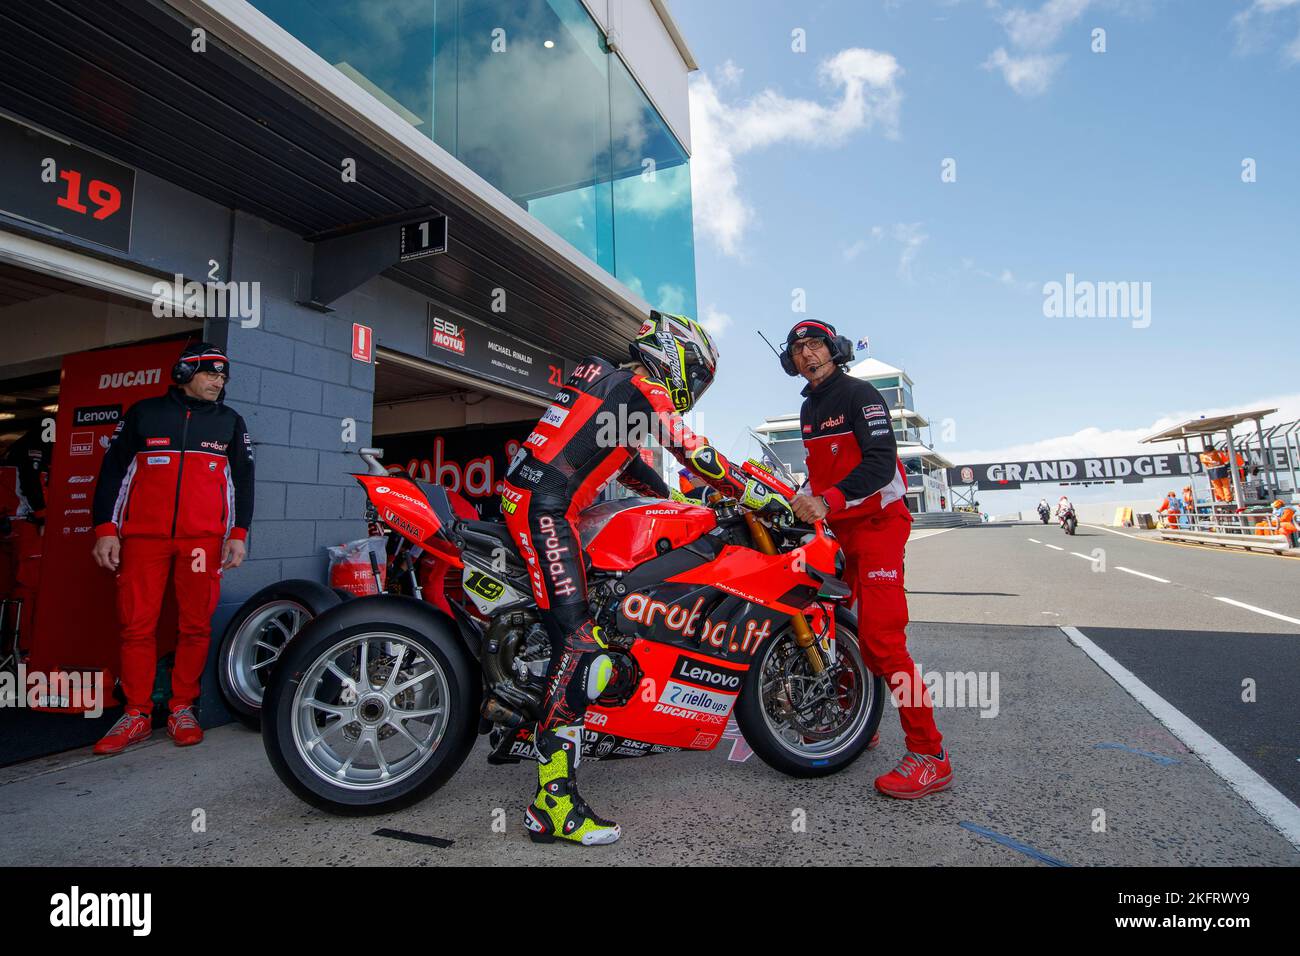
<point x="1069" y="520"/>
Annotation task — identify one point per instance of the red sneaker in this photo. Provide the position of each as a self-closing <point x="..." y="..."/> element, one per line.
<point x="874" y="742"/>
<point x="916" y="775"/>
<point x="183" y="728"/>
<point x="131" y="728"/>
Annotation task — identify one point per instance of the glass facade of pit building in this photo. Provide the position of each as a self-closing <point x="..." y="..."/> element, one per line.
<point x="526" y="94"/>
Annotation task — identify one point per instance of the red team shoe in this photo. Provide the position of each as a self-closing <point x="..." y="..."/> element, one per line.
<point x="131" y="728"/>
<point x="916" y="776"/>
<point x="183" y="728"/>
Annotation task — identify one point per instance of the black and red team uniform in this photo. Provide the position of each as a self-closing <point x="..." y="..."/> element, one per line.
<point x="853" y="463"/>
<point x="177" y="479"/>
<point x="587" y="436"/>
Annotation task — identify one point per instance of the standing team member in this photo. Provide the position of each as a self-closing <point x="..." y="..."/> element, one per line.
<point x="858" y="484"/>
<point x="175" y="495"/>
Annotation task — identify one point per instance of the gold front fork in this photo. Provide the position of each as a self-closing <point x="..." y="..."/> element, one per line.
<point x="803" y="635"/>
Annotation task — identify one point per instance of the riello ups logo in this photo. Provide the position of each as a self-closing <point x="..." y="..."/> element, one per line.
<point x="446" y="334"/>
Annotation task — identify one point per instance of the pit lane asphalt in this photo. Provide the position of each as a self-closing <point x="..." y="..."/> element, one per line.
<point x="1181" y="641"/>
<point x="1066" y="743"/>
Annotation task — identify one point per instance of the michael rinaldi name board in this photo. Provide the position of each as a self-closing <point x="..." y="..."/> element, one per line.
<point x="471" y="347"/>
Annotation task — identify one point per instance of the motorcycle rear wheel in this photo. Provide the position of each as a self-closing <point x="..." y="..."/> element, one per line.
<point x="372" y="707"/>
<point x="794" y="724"/>
<point x="256" y="637"/>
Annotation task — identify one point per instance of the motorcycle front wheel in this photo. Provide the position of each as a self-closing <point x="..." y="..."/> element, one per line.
<point x="807" y="725"/>
<point x="372" y="707"/>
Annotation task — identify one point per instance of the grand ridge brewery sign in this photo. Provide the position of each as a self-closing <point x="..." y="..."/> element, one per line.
<point x="1126" y="468"/>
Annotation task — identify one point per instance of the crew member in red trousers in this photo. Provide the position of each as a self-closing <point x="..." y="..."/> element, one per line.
<point x="858" y="484"/>
<point x="174" y="497"/>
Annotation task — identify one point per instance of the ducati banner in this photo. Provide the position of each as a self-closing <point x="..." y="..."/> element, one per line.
<point x="77" y="627"/>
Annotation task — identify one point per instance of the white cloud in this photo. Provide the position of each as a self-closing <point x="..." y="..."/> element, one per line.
<point x="729" y="74"/>
<point x="723" y="131"/>
<point x="1006" y="277"/>
<point x="912" y="238"/>
<point x="1033" y="33"/>
<point x="1029" y="75"/>
<point x="1093" y="441"/>
<point x="715" y="323"/>
<point x="672" y="298"/>
<point x="1257" y="25"/>
<point x="1039" y="29"/>
<point x="855" y="250"/>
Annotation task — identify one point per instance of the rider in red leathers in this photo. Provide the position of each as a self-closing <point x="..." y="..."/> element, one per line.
<point x="591" y="433"/>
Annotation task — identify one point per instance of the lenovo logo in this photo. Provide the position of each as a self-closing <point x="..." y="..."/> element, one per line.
<point x="702" y="672"/>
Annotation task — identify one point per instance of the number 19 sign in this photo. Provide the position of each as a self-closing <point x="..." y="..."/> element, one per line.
<point x="65" y="187"/>
<point x="425" y="238"/>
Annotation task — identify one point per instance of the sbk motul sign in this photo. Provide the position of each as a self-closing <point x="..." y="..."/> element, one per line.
<point x="448" y="335"/>
<point x="487" y="352"/>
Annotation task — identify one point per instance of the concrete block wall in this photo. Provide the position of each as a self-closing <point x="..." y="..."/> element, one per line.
<point x="294" y="380"/>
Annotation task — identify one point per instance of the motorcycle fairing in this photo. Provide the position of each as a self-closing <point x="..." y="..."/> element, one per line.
<point x="683" y="700"/>
<point x="622" y="535"/>
<point x="518" y="746"/>
<point x="419" y="514"/>
<point x="701" y="620"/>
<point x="770" y="580"/>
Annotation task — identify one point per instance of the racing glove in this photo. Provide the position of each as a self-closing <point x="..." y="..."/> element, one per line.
<point x="759" y="497"/>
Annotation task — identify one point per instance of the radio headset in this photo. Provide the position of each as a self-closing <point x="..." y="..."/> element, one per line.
<point x="840" y="346"/>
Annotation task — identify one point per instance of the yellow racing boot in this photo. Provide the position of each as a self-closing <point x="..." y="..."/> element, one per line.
<point x="558" y="812"/>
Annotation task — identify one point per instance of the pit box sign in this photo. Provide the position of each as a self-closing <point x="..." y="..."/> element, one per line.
<point x="65" y="187"/>
<point x="425" y="238"/>
<point x="475" y="348"/>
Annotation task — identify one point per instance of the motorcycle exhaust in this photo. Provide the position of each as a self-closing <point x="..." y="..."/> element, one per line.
<point x="498" y="713"/>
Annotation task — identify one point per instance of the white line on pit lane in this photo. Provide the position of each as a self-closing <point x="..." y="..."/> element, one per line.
<point x="1102" y="527"/>
<point x="1086" y="557"/>
<point x="1259" y="793"/>
<point x="1055" y="548"/>
<point x="1035" y="540"/>
<point x="1141" y="574"/>
<point x="1259" y="610"/>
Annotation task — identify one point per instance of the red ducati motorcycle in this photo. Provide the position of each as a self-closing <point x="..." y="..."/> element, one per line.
<point x="709" y="610"/>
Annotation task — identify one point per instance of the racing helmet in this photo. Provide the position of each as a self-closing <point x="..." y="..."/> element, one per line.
<point x="679" y="354"/>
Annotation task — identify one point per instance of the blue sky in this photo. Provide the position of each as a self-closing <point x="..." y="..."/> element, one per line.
<point x="1117" y="166"/>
